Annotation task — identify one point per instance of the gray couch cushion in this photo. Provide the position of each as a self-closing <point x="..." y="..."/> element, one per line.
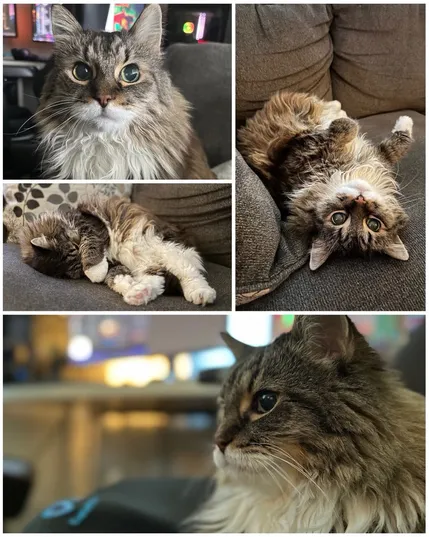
<point x="24" y="289"/>
<point x="203" y="73"/>
<point x="203" y="210"/>
<point x="266" y="255"/>
<point x="379" y="57"/>
<point x="281" y="47"/>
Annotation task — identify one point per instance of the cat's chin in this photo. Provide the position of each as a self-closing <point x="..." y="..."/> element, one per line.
<point x="109" y="119"/>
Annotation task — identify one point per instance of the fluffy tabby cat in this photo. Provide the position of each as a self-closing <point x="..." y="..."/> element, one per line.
<point x="338" y="187"/>
<point x="109" y="109"/>
<point x="119" y="243"/>
<point x="316" y="435"/>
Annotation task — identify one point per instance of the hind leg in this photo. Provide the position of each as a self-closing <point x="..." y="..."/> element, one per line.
<point x="396" y="146"/>
<point x="136" y="291"/>
<point x="331" y="111"/>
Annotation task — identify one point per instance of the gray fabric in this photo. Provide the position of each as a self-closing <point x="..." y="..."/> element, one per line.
<point x="379" y="57"/>
<point x="341" y="284"/>
<point x="24" y="289"/>
<point x="203" y="73"/>
<point x="203" y="210"/>
<point x="281" y="47"/>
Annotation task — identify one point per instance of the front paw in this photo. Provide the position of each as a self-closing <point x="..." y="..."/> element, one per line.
<point x="404" y="124"/>
<point x="200" y="295"/>
<point x="142" y="293"/>
<point x="97" y="273"/>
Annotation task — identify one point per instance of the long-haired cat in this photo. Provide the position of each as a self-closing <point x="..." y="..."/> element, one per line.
<point x="109" y="109"/>
<point x="338" y="188"/>
<point x="110" y="240"/>
<point x="316" y="435"/>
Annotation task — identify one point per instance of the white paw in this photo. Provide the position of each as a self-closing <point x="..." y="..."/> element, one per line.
<point x="145" y="291"/>
<point x="200" y="295"/>
<point x="404" y="124"/>
<point x="98" y="273"/>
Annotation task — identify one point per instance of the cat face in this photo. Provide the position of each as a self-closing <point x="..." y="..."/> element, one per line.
<point x="353" y="217"/>
<point x="50" y="245"/>
<point x="299" y="403"/>
<point x="102" y="81"/>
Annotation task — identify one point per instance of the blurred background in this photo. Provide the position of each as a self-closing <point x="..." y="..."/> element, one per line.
<point x="90" y="400"/>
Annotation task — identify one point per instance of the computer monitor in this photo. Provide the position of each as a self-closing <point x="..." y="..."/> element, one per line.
<point x="9" y="20"/>
<point x="42" y="23"/>
<point x="122" y="16"/>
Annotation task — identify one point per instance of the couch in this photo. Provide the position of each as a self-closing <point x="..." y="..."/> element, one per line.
<point x="372" y="59"/>
<point x="204" y="210"/>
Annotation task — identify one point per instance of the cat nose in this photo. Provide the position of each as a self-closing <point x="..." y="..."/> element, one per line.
<point x="360" y="199"/>
<point x="222" y="443"/>
<point x="103" y="100"/>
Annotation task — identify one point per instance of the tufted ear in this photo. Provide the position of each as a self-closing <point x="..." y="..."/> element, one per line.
<point x="319" y="253"/>
<point x="42" y="242"/>
<point x="63" y="23"/>
<point x="397" y="250"/>
<point x="325" y="335"/>
<point x="239" y="349"/>
<point x="148" y="27"/>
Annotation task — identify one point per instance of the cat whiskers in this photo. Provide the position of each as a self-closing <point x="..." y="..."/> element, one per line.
<point x="19" y="131"/>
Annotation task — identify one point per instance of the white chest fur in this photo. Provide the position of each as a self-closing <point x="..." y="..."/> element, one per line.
<point x="107" y="156"/>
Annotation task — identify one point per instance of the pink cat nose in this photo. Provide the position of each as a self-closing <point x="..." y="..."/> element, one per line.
<point x="360" y="199"/>
<point x="103" y="100"/>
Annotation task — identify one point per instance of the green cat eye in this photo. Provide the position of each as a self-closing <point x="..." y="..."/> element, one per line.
<point x="130" y="73"/>
<point x="264" y="401"/>
<point x="82" y="72"/>
<point x="373" y="224"/>
<point x="338" y="219"/>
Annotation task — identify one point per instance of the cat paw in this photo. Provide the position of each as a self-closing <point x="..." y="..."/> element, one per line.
<point x="142" y="293"/>
<point x="344" y="128"/>
<point x="98" y="272"/>
<point x="200" y="295"/>
<point x="404" y="124"/>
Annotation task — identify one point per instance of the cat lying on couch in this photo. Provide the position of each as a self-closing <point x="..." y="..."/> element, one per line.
<point x="336" y="187"/>
<point x="119" y="243"/>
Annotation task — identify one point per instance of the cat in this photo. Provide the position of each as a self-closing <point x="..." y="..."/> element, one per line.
<point x="315" y="435"/>
<point x="109" y="109"/>
<point x="110" y="240"/>
<point x="338" y="188"/>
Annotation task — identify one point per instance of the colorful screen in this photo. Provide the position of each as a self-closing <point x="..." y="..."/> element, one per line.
<point x="42" y="23"/>
<point x="9" y="20"/>
<point x="122" y="16"/>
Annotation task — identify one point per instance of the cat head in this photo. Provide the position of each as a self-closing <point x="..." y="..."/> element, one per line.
<point x="348" y="215"/>
<point x="50" y="245"/>
<point x="105" y="80"/>
<point x="308" y="402"/>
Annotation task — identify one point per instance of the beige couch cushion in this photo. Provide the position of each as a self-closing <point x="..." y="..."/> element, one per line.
<point x="379" y="57"/>
<point x="281" y="47"/>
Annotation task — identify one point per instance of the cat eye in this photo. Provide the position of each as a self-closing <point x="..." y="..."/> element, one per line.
<point x="338" y="219"/>
<point x="130" y="73"/>
<point x="82" y="72"/>
<point x="264" y="401"/>
<point x="373" y="224"/>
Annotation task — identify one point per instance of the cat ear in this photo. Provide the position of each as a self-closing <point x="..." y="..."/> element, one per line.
<point x="319" y="253"/>
<point x="239" y="349"/>
<point x="326" y="335"/>
<point x="148" y="27"/>
<point x="41" y="242"/>
<point x="397" y="250"/>
<point x="63" y="23"/>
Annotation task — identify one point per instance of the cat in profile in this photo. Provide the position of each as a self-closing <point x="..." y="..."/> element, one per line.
<point x="332" y="184"/>
<point x="110" y="240"/>
<point x="316" y="435"/>
<point x="109" y="109"/>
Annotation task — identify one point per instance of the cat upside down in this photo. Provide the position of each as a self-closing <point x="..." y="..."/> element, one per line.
<point x="316" y="435"/>
<point x="119" y="243"/>
<point x="338" y="188"/>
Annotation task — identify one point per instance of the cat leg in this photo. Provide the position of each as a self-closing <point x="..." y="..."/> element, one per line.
<point x="341" y="132"/>
<point x="396" y="146"/>
<point x="331" y="112"/>
<point x="135" y="291"/>
<point x="186" y="264"/>
<point x="93" y="257"/>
